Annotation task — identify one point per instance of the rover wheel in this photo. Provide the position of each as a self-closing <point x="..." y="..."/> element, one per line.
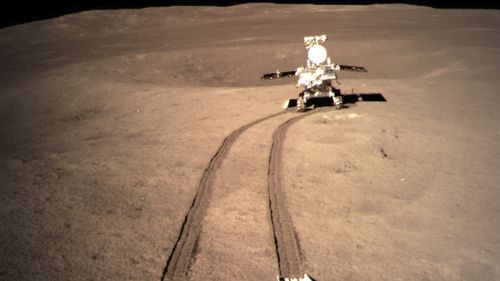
<point x="338" y="102"/>
<point x="301" y="104"/>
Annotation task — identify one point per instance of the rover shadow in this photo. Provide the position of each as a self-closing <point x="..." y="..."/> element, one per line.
<point x="347" y="99"/>
<point x="283" y="279"/>
<point x="368" y="97"/>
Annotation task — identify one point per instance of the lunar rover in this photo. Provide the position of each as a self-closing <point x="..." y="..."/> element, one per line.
<point x="316" y="77"/>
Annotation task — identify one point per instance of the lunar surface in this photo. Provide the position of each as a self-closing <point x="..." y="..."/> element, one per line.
<point x="140" y="144"/>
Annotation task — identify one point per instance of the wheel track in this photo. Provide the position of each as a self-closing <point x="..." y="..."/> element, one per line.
<point x="287" y="245"/>
<point x="179" y="260"/>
